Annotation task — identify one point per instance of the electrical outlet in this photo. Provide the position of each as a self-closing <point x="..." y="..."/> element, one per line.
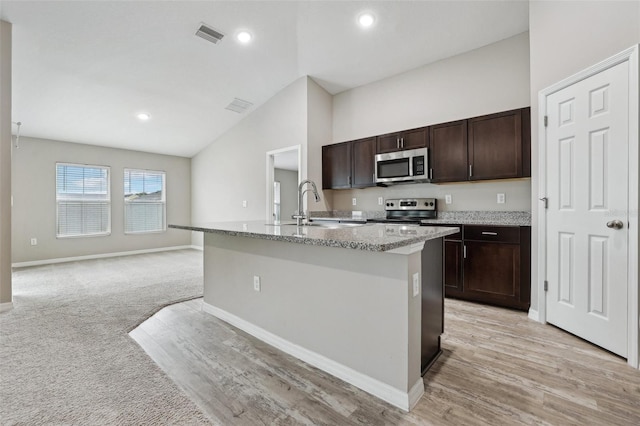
<point x="354" y="201"/>
<point x="416" y="284"/>
<point x="256" y="283"/>
<point x="244" y="203"/>
<point x="245" y="226"/>
<point x="447" y="199"/>
<point x="380" y="201"/>
<point x="501" y="198"/>
<point x="34" y="241"/>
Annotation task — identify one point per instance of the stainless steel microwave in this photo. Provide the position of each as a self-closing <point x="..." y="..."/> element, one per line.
<point x="408" y="166"/>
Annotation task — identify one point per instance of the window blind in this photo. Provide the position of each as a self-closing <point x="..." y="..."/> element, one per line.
<point x="144" y="201"/>
<point x="83" y="200"/>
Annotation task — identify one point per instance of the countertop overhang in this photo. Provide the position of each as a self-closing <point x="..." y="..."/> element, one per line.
<point x="371" y="237"/>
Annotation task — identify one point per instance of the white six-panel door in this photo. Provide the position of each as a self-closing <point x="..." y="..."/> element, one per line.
<point x="587" y="217"/>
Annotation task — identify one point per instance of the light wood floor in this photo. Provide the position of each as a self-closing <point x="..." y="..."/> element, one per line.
<point x="498" y="368"/>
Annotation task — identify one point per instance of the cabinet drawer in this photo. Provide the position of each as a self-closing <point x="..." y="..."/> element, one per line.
<point x="501" y="234"/>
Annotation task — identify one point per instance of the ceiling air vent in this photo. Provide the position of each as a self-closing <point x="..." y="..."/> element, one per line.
<point x="209" y="34"/>
<point x="238" y="105"/>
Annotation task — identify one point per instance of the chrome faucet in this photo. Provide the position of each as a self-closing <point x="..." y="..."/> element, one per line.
<point x="300" y="216"/>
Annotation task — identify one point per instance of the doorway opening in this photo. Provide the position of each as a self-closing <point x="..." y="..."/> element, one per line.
<point x="283" y="177"/>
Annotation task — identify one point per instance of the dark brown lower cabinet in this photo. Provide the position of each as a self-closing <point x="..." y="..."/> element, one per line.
<point x="453" y="267"/>
<point x="489" y="264"/>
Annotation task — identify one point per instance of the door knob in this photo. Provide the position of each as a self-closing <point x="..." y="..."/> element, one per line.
<point x="615" y="224"/>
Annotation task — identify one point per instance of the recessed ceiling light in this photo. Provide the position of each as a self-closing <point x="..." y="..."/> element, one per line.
<point x="366" y="20"/>
<point x="143" y="116"/>
<point x="244" y="37"/>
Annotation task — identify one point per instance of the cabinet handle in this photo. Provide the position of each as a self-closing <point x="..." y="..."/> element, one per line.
<point x="402" y="143"/>
<point x="489" y="233"/>
<point x="430" y="173"/>
<point x="464" y="252"/>
<point x="397" y="143"/>
<point x="349" y="180"/>
<point x="470" y="170"/>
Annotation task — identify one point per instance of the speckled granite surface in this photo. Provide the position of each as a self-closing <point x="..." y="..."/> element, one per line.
<point x="482" y="218"/>
<point x="504" y="218"/>
<point x="371" y="237"/>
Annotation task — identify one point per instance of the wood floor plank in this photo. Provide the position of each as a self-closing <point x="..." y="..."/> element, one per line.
<point x="498" y="367"/>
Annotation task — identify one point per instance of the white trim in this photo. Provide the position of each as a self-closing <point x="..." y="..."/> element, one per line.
<point x="630" y="55"/>
<point x="534" y="315"/>
<point x="4" y="307"/>
<point x="100" y="256"/>
<point x="415" y="393"/>
<point x="396" y="397"/>
<point x="633" y="297"/>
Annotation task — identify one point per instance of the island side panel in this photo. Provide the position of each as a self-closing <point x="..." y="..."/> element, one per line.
<point x="354" y="307"/>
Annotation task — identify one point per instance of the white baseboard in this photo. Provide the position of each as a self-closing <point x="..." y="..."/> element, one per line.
<point x="6" y="306"/>
<point x="99" y="256"/>
<point x="534" y="315"/>
<point x="403" y="400"/>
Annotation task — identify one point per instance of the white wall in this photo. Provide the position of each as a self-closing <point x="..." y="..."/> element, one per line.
<point x="319" y="133"/>
<point x="567" y="37"/>
<point x="34" y="200"/>
<point x="5" y="163"/>
<point x="489" y="79"/>
<point x="232" y="169"/>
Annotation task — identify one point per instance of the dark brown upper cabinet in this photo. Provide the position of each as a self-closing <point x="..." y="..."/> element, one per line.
<point x="399" y="141"/>
<point x="349" y="164"/>
<point x="526" y="142"/>
<point x="448" y="152"/>
<point x="495" y="146"/>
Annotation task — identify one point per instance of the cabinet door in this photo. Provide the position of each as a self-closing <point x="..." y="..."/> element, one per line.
<point x="495" y="146"/>
<point x="416" y="138"/>
<point x="492" y="272"/>
<point x="453" y="268"/>
<point x="388" y="143"/>
<point x="336" y="166"/>
<point x="448" y="152"/>
<point x="363" y="153"/>
<point x="526" y="142"/>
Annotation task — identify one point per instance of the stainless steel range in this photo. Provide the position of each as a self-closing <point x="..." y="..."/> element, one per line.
<point x="410" y="210"/>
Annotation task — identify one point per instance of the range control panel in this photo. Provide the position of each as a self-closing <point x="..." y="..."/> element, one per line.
<point x="411" y="204"/>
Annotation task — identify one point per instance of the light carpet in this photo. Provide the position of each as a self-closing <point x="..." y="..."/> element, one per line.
<point x="65" y="354"/>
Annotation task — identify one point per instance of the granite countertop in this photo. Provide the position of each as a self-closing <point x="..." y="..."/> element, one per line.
<point x="370" y="237"/>
<point x="499" y="218"/>
<point x="482" y="218"/>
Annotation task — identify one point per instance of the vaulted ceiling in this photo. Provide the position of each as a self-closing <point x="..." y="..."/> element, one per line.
<point x="83" y="70"/>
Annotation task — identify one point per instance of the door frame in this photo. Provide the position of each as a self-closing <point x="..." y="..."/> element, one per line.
<point x="629" y="55"/>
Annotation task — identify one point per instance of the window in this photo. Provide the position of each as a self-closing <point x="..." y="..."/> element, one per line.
<point x="144" y="201"/>
<point x="83" y="200"/>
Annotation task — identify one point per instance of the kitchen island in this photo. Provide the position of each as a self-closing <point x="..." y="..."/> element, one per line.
<point x="360" y="301"/>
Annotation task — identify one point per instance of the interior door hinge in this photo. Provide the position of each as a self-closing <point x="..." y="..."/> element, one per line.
<point x="546" y="285"/>
<point x="546" y="202"/>
<point x="546" y="121"/>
